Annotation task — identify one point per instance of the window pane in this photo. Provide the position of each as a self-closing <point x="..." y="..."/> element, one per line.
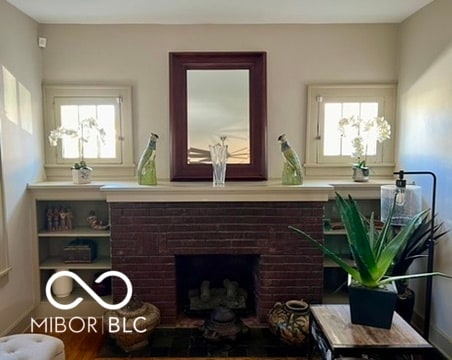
<point x="350" y="109"/>
<point x="73" y="116"/>
<point x="369" y="110"/>
<point x="332" y="138"/>
<point x="69" y="120"/>
<point x="106" y="119"/>
<point x="337" y="145"/>
<point x="90" y="146"/>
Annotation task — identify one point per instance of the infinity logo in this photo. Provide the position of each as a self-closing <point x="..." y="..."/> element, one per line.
<point x="88" y="289"/>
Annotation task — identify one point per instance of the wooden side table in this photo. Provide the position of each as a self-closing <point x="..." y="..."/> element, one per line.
<point x="334" y="334"/>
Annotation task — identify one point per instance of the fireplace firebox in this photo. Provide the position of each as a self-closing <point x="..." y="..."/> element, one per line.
<point x="204" y="282"/>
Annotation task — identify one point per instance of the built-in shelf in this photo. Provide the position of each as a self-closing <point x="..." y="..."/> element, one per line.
<point x="328" y="263"/>
<point x="78" y="232"/>
<point x="76" y="293"/>
<point x="57" y="263"/>
<point x="334" y="232"/>
<point x="50" y="247"/>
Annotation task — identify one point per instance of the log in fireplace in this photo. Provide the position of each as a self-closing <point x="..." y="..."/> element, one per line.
<point x="204" y="282"/>
<point x="151" y="240"/>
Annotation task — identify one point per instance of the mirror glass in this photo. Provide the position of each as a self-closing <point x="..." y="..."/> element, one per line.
<point x="218" y="105"/>
<point x="212" y="95"/>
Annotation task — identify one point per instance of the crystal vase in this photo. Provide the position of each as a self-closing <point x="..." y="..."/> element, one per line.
<point x="218" y="156"/>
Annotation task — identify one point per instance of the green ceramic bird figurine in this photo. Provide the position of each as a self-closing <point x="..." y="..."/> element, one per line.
<point x="146" y="170"/>
<point x="292" y="170"/>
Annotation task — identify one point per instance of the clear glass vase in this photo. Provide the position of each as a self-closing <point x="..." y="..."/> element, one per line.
<point x="218" y="156"/>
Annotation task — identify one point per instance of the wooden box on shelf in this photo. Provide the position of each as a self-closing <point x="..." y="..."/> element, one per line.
<point x="80" y="251"/>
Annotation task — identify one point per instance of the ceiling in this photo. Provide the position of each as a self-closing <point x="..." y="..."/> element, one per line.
<point x="218" y="11"/>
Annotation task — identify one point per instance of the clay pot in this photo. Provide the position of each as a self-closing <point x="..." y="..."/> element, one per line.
<point x="290" y="321"/>
<point x="136" y="322"/>
<point x="223" y="325"/>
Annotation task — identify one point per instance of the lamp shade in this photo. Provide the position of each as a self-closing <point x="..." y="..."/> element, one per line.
<point x="408" y="203"/>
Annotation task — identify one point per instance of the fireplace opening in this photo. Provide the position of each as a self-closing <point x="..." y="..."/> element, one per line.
<point x="204" y="282"/>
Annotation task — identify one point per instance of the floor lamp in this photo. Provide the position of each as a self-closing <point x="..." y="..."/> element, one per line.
<point x="429" y="281"/>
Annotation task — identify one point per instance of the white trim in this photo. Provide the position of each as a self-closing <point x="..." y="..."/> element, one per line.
<point x="4" y="253"/>
<point x="318" y="166"/>
<point x="59" y="171"/>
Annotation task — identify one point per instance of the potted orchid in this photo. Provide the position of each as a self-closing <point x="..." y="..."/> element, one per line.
<point x="81" y="172"/>
<point x="363" y="133"/>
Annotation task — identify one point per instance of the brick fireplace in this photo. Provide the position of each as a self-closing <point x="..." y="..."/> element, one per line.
<point x="148" y="238"/>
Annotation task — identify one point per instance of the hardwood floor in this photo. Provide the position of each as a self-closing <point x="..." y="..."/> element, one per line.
<point x="85" y="346"/>
<point x="82" y="346"/>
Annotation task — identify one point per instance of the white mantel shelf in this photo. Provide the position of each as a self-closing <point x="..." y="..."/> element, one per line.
<point x="166" y="191"/>
<point x="204" y="191"/>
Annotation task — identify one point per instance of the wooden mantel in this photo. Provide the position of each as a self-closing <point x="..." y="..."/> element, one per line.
<point x="204" y="191"/>
<point x="130" y="191"/>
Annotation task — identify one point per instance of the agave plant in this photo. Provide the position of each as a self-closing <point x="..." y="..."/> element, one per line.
<point x="417" y="245"/>
<point x="373" y="251"/>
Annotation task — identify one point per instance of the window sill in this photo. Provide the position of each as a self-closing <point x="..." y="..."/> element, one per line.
<point x="344" y="171"/>
<point x="100" y="172"/>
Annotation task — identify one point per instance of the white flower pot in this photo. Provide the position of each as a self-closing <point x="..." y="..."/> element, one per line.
<point x="62" y="286"/>
<point x="360" y="174"/>
<point x="81" y="176"/>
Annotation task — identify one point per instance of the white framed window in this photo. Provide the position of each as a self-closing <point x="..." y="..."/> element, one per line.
<point x="328" y="152"/>
<point x="72" y="108"/>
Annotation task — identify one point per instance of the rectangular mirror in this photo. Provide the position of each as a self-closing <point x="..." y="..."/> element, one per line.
<point x="218" y="105"/>
<point x="214" y="95"/>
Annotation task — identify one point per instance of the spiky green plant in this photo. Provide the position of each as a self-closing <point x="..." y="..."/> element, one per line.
<point x="373" y="251"/>
<point x="418" y="244"/>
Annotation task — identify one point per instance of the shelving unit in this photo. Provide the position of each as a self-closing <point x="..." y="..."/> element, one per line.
<point x="50" y="243"/>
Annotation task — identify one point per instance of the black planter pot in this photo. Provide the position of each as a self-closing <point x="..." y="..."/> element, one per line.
<point x="372" y="306"/>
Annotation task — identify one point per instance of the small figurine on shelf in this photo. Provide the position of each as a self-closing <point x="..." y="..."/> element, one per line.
<point x="69" y="217"/>
<point x="292" y="173"/>
<point x="59" y="219"/>
<point x="146" y="171"/>
<point x="55" y="219"/>
<point x="63" y="219"/>
<point x="49" y="219"/>
<point x="95" y="223"/>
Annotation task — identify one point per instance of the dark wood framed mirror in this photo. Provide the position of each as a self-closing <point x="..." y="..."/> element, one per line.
<point x="215" y="94"/>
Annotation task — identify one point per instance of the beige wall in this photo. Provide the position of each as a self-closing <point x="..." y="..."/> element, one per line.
<point x="296" y="56"/>
<point x="425" y="95"/>
<point x="21" y="134"/>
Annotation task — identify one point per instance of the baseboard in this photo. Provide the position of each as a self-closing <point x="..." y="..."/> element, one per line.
<point x="442" y="342"/>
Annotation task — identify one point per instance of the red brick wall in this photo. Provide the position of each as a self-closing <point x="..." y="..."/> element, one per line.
<point x="146" y="237"/>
